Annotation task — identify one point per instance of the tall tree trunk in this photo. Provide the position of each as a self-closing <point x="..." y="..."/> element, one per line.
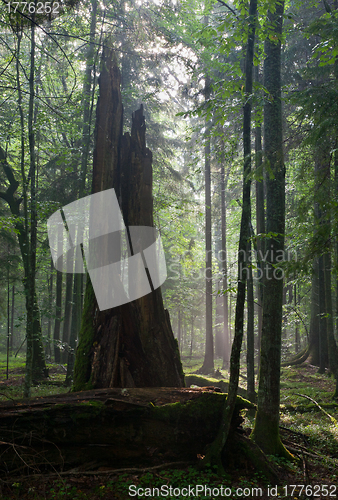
<point x="132" y="344"/>
<point x="179" y="329"/>
<point x="226" y="342"/>
<point x="323" y="354"/>
<point x="322" y="179"/>
<point x="74" y="329"/>
<point x="35" y="357"/>
<point x="87" y="114"/>
<point x="192" y="335"/>
<point x="208" y="363"/>
<point x="12" y="319"/>
<point x="260" y="225"/>
<point x="67" y="317"/>
<point x="58" y="306"/>
<point x="266" y="428"/>
<point x="331" y="342"/>
<point x="250" y="357"/>
<point x="313" y="350"/>
<point x="213" y="455"/>
<point x="8" y="320"/>
<point x="297" y="338"/>
<point x="50" y="280"/>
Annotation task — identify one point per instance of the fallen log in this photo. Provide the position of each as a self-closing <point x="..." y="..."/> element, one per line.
<point x="111" y="428"/>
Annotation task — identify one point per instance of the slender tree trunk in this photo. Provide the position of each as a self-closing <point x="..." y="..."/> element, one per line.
<point x="12" y="319"/>
<point x="322" y="231"/>
<point x="314" y="319"/>
<point x="58" y="306"/>
<point x="250" y="358"/>
<point x="35" y="358"/>
<point x="336" y="239"/>
<point x="87" y="114"/>
<point x="192" y="335"/>
<point x="50" y="280"/>
<point x="8" y="319"/>
<point x="336" y="193"/>
<point x="226" y="342"/>
<point x="208" y="363"/>
<point x="297" y="339"/>
<point x="331" y="343"/>
<point x="323" y="354"/>
<point x="179" y="330"/>
<point x="67" y="317"/>
<point x="260" y="226"/>
<point x="213" y="455"/>
<point x="74" y="329"/>
<point x="266" y="428"/>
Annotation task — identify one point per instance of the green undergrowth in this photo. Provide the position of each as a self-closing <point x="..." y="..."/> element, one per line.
<point x="139" y="485"/>
<point x="16" y="365"/>
<point x="311" y="432"/>
<point x="313" y="429"/>
<point x="12" y="388"/>
<point x="194" y="363"/>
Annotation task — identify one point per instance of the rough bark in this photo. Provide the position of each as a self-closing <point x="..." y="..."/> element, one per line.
<point x="266" y="429"/>
<point x="131" y="345"/>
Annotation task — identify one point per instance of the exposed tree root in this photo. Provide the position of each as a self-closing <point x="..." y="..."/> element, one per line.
<point x="299" y="358"/>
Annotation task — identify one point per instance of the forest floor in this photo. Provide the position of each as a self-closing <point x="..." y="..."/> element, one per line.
<point x="309" y="432"/>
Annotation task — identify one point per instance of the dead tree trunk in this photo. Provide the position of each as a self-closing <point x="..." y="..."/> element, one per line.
<point x="131" y="345"/>
<point x="114" y="428"/>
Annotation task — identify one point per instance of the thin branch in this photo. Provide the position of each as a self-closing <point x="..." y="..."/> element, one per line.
<point x="76" y="472"/>
<point x="333" y="420"/>
<point x="58" y="45"/>
<point x="228" y="7"/>
<point x="8" y="397"/>
<point x="299" y="316"/>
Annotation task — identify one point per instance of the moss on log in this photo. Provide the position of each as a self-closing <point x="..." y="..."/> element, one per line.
<point x="111" y="427"/>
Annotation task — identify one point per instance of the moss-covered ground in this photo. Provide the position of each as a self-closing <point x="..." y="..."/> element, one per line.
<point x="12" y="388"/>
<point x="308" y="431"/>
